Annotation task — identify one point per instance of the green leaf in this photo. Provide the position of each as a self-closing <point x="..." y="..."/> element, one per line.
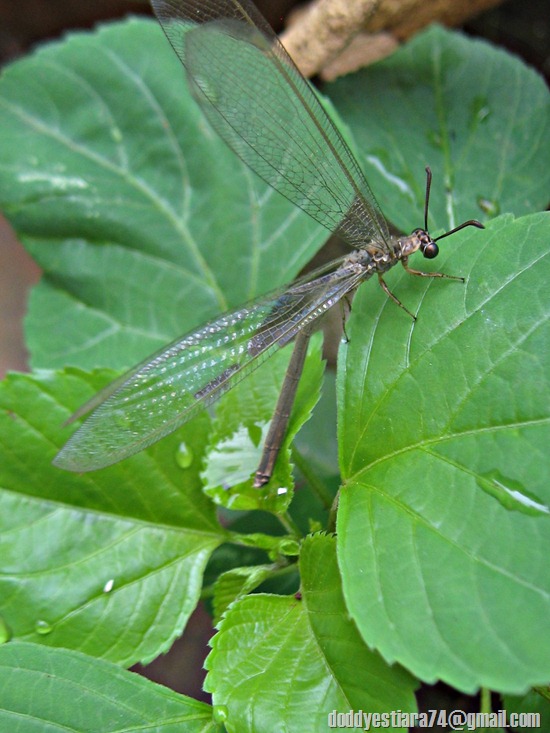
<point x="444" y="427"/>
<point x="143" y="221"/>
<point x="311" y="658"/>
<point x="77" y="552"/>
<point x="532" y="711"/>
<point x="236" y="583"/>
<point x="144" y="230"/>
<point x="478" y="116"/>
<point x="60" y="690"/>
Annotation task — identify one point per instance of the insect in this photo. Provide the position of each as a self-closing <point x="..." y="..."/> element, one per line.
<point x="256" y="99"/>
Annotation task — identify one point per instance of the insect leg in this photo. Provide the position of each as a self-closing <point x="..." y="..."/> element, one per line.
<point x="411" y="271"/>
<point x="281" y="416"/>
<point x="393" y="297"/>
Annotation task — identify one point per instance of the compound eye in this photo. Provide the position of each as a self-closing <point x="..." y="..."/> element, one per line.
<point x="430" y="251"/>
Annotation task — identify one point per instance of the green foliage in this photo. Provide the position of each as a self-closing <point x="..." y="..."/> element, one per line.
<point x="443" y="453"/>
<point x="311" y="656"/>
<point x="73" y="691"/>
<point x="145" y="226"/>
<point x="473" y="113"/>
<point x="144" y="222"/>
<point x="83" y="550"/>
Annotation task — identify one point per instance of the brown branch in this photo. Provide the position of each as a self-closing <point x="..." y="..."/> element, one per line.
<point x="329" y="37"/>
<point x="323" y="29"/>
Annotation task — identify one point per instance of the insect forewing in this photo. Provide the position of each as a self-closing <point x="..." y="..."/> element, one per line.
<point x="166" y="390"/>
<point x="259" y="103"/>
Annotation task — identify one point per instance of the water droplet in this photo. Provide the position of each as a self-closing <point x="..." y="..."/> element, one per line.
<point x="512" y="494"/>
<point x="43" y="627"/>
<point x="488" y="206"/>
<point x="480" y="110"/>
<point x="4" y="631"/>
<point x="108" y="587"/>
<point x="220" y="713"/>
<point x="184" y="455"/>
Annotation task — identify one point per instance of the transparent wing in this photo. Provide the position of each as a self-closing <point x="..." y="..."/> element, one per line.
<point x="260" y="104"/>
<point x="171" y="386"/>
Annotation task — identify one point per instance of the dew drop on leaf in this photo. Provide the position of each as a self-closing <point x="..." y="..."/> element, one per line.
<point x="480" y="110"/>
<point x="43" y="627"/>
<point x="512" y="494"/>
<point x="108" y="587"/>
<point x="184" y="455"/>
<point x="219" y="713"/>
<point x="488" y="206"/>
